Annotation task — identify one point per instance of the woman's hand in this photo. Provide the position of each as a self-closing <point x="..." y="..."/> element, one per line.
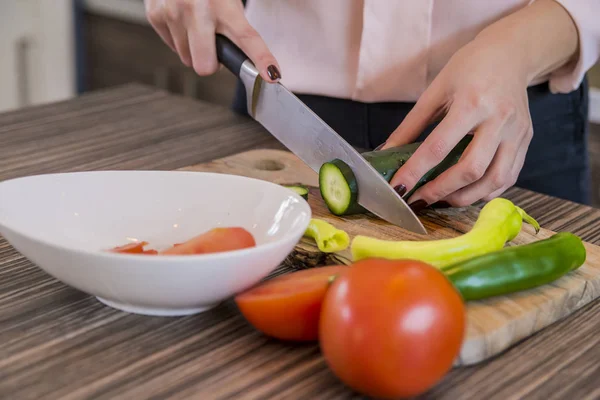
<point x="189" y="28"/>
<point x="483" y="91"/>
<point x="480" y="91"/>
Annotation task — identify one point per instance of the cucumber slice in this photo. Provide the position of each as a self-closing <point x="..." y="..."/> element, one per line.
<point x="338" y="188"/>
<point x="300" y="189"/>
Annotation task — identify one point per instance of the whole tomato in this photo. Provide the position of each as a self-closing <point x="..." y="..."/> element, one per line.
<point x="391" y="328"/>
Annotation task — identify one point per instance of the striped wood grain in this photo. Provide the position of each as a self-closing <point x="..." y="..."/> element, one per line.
<point x="58" y="343"/>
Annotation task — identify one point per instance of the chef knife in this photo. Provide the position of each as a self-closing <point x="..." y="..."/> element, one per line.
<point x="306" y="135"/>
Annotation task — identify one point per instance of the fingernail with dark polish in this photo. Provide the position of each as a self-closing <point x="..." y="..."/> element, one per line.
<point x="418" y="205"/>
<point x="441" y="204"/>
<point x="273" y="72"/>
<point x="400" y="189"/>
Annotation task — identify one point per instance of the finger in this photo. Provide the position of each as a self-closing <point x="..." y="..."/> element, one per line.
<point x="201" y="37"/>
<point x="496" y="179"/>
<point x="152" y="4"/>
<point x="436" y="147"/>
<point x="165" y="34"/>
<point x="173" y="16"/>
<point x="182" y="45"/>
<point x="471" y="167"/>
<point x="156" y="18"/>
<point x="426" y="109"/>
<point x="203" y="49"/>
<point x="236" y="27"/>
<point x="518" y="165"/>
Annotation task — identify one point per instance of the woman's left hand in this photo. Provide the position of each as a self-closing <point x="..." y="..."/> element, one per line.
<point x="481" y="91"/>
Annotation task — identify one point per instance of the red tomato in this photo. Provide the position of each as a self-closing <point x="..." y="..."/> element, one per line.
<point x="214" y="241"/>
<point x="391" y="329"/>
<point x="288" y="306"/>
<point x="134" y="248"/>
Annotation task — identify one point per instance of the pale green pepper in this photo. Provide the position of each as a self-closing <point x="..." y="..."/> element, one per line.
<point x="329" y="239"/>
<point x="499" y="221"/>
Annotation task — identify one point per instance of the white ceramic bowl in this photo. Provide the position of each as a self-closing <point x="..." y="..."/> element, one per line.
<point x="64" y="222"/>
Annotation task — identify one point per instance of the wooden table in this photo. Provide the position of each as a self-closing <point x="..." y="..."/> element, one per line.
<point x="59" y="343"/>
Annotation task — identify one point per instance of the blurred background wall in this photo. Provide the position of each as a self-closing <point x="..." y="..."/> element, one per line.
<point x="55" y="49"/>
<point x="37" y="52"/>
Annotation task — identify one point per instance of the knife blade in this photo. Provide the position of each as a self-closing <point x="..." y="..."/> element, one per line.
<point x="299" y="129"/>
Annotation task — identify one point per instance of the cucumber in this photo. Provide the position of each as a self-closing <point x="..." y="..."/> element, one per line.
<point x="388" y="161"/>
<point x="450" y="160"/>
<point x="337" y="182"/>
<point x="300" y="189"/>
<point x="338" y="188"/>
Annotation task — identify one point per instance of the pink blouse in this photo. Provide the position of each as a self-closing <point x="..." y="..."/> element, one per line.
<point x="390" y="50"/>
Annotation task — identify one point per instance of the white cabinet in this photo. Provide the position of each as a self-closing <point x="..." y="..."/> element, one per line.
<point x="37" y="52"/>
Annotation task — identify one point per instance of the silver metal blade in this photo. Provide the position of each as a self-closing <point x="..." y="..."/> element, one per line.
<point x="299" y="129"/>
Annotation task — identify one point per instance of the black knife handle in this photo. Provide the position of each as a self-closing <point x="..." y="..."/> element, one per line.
<point x="230" y="55"/>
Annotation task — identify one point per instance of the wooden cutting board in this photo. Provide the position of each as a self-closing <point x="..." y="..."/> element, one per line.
<point x="493" y="324"/>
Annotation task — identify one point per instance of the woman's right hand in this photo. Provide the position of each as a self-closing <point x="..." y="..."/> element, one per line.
<point x="189" y="28"/>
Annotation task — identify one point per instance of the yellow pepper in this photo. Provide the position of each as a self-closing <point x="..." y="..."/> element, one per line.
<point x="329" y="239"/>
<point x="498" y="222"/>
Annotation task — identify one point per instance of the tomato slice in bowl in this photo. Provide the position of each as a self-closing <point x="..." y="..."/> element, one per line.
<point x="131" y="248"/>
<point x="288" y="306"/>
<point x="215" y="240"/>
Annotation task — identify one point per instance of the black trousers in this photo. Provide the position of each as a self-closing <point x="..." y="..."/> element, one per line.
<point x="557" y="160"/>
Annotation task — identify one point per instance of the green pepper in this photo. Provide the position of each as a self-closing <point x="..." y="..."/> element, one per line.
<point x="498" y="222"/>
<point x="517" y="268"/>
<point x="329" y="239"/>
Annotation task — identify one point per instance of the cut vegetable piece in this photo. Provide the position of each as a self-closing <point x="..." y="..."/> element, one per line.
<point x="498" y="222"/>
<point x="130" y="248"/>
<point x="300" y="189"/>
<point x="214" y="241"/>
<point x="338" y="188"/>
<point x="288" y="306"/>
<point x="329" y="239"/>
<point x="338" y="184"/>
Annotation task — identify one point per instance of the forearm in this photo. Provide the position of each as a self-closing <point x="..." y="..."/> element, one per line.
<point x="542" y="37"/>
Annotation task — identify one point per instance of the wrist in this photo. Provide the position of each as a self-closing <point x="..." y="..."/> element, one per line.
<point x="539" y="38"/>
<point x="508" y="51"/>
